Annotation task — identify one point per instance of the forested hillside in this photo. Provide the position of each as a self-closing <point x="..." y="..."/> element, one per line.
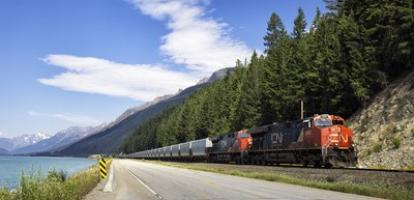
<point x="335" y="65"/>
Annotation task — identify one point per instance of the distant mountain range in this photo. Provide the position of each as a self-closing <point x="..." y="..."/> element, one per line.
<point x="11" y="144"/>
<point x="4" y="152"/>
<point x="59" y="140"/>
<point x="109" y="139"/>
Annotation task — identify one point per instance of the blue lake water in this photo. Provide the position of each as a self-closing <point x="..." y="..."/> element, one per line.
<point x="11" y="167"/>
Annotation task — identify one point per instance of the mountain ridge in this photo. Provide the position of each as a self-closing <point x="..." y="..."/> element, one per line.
<point x="108" y="140"/>
<point x="11" y="144"/>
<point x="60" y="139"/>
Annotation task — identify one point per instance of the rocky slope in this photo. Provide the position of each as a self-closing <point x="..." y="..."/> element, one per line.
<point x="384" y="130"/>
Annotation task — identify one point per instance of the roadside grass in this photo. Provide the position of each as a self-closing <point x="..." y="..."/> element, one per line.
<point x="378" y="189"/>
<point x="54" y="186"/>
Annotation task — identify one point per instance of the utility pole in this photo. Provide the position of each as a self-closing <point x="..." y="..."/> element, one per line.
<point x="301" y="109"/>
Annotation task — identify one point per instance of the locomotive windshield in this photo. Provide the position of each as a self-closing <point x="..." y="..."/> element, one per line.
<point x="244" y="135"/>
<point x="323" y="122"/>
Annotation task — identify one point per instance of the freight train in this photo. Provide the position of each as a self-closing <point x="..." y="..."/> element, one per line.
<point x="321" y="140"/>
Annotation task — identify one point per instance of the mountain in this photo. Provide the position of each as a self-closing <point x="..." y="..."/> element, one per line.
<point x="59" y="140"/>
<point x="134" y="110"/>
<point x="4" y="152"/>
<point x="109" y="139"/>
<point x="11" y="144"/>
<point x="6" y="143"/>
<point x="384" y="130"/>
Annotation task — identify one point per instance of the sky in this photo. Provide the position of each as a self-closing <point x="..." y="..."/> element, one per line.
<point x="84" y="62"/>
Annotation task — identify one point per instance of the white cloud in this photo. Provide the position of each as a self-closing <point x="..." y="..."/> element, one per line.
<point x="69" y="117"/>
<point x="199" y="42"/>
<point x="94" y="75"/>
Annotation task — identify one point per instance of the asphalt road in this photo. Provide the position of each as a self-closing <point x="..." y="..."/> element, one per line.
<point x="142" y="180"/>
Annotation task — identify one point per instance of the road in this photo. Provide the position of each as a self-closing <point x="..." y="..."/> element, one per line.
<point x="147" y="181"/>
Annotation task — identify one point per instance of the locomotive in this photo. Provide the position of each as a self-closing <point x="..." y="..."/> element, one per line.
<point x="321" y="140"/>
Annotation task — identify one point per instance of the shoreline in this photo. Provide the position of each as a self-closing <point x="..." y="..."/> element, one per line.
<point x="54" y="185"/>
<point x="14" y="167"/>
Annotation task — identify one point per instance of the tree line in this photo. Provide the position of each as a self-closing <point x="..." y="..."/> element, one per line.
<point x="334" y="65"/>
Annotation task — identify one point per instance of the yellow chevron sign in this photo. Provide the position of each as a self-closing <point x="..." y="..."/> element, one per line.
<point x="103" y="168"/>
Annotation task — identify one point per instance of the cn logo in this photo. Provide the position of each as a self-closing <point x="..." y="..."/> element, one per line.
<point x="344" y="138"/>
<point x="277" y="138"/>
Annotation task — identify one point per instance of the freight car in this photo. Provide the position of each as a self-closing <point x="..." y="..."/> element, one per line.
<point x="321" y="140"/>
<point x="192" y="150"/>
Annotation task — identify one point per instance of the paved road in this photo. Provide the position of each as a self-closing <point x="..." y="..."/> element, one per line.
<point x="142" y="180"/>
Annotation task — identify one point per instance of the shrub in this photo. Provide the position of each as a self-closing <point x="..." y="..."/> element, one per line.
<point x="377" y="148"/>
<point x="56" y="176"/>
<point x="396" y="142"/>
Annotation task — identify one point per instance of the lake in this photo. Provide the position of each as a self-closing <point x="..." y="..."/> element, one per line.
<point x="11" y="167"/>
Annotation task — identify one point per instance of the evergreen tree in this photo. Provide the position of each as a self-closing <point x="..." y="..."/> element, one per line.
<point x="275" y="30"/>
<point x="250" y="101"/>
<point x="299" y="25"/>
<point x="315" y="21"/>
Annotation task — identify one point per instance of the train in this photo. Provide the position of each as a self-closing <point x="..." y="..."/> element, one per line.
<point x="319" y="141"/>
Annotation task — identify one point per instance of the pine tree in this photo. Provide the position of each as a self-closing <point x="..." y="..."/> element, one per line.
<point x="250" y="100"/>
<point x="315" y="21"/>
<point x="275" y="30"/>
<point x="299" y="25"/>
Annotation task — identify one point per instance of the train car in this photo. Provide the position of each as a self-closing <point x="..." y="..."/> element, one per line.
<point x="175" y="151"/>
<point x="200" y="148"/>
<point x="230" y="147"/>
<point x="185" y="150"/>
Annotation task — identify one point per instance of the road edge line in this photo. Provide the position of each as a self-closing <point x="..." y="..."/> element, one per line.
<point x="109" y="186"/>
<point x="145" y="185"/>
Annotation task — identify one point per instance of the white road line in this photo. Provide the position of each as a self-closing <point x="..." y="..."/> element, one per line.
<point x="109" y="187"/>
<point x="145" y="185"/>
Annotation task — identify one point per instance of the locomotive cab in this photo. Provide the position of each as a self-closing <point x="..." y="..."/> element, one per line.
<point x="329" y="133"/>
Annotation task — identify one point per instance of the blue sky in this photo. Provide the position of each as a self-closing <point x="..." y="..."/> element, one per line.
<point x="83" y="62"/>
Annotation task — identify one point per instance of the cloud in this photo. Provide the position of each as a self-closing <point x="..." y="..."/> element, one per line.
<point x="198" y="42"/>
<point x="68" y="117"/>
<point x="100" y="76"/>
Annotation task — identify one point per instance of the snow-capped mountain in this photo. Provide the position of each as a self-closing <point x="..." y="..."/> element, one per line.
<point x="11" y="144"/>
<point x="60" y="139"/>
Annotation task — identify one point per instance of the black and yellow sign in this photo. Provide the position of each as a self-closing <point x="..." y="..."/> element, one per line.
<point x="103" y="168"/>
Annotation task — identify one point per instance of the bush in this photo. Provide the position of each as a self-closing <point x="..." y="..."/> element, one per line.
<point x="377" y="148"/>
<point x="56" y="176"/>
<point x="4" y="194"/>
<point x="396" y="142"/>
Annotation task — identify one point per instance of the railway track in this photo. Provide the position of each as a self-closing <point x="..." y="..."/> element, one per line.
<point x="322" y="168"/>
<point x="380" y="170"/>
